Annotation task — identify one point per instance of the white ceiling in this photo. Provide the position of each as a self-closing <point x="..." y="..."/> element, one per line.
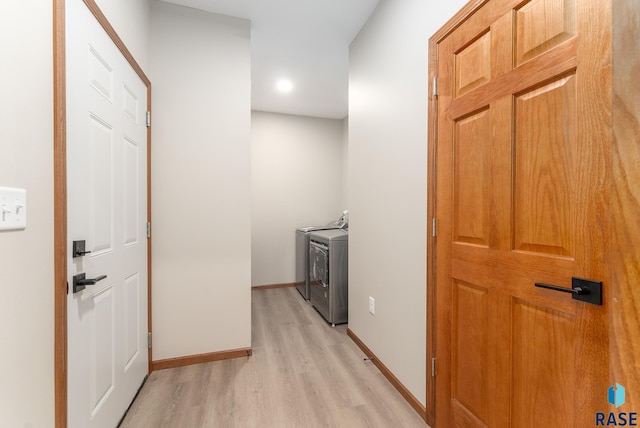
<point x="306" y="41"/>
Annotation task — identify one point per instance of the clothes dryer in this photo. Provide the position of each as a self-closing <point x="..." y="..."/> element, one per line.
<point x="302" y="251"/>
<point x="329" y="274"/>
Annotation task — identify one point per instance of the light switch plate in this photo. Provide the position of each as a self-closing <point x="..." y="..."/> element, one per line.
<point x="13" y="208"/>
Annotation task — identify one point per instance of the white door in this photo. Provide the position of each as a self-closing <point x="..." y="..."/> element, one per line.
<point x="107" y="208"/>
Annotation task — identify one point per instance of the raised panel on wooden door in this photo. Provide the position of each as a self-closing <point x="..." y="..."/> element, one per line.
<point x="541" y="25"/>
<point x="473" y="65"/>
<point x="543" y="353"/>
<point x="544" y="174"/>
<point x="470" y="348"/>
<point x="472" y="142"/>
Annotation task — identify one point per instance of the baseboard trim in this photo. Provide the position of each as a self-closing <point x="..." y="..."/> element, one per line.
<point x="268" y="286"/>
<point x="411" y="399"/>
<point x="188" y="360"/>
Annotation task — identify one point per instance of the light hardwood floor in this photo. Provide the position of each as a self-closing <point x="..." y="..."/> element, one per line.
<point x="303" y="373"/>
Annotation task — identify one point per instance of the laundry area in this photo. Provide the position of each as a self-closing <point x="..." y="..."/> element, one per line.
<point x="291" y="200"/>
<point x="305" y="245"/>
<point x="322" y="268"/>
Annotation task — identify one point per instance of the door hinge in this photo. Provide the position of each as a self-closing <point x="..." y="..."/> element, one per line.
<point x="433" y="367"/>
<point x="149" y="340"/>
<point x="148" y="119"/>
<point x="435" y="86"/>
<point x="148" y="229"/>
<point x="434" y="227"/>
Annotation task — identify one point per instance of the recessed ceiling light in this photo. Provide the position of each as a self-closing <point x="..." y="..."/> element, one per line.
<point x="284" y="85"/>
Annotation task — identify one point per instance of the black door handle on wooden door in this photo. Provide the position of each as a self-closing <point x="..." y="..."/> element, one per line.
<point x="584" y="290"/>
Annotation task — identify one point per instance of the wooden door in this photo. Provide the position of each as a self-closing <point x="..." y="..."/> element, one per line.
<point x="107" y="208"/>
<point x="523" y="128"/>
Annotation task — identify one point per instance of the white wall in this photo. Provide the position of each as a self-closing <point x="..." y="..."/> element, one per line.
<point x="26" y="257"/>
<point x="297" y="168"/>
<point x="387" y="183"/>
<point x="345" y="163"/>
<point x="201" y="192"/>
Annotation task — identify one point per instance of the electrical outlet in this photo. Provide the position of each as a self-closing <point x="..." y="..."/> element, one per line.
<point x="372" y="305"/>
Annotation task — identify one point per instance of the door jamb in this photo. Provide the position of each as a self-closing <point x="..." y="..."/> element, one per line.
<point x="60" y="194"/>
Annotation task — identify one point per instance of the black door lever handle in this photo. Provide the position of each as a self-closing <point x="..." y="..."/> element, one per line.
<point x="90" y="281"/>
<point x="577" y="290"/>
<point x="80" y="281"/>
<point x="584" y="290"/>
<point x="79" y="249"/>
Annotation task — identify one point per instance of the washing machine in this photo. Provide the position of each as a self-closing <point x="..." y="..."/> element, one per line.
<point x="329" y="274"/>
<point x="302" y="251"/>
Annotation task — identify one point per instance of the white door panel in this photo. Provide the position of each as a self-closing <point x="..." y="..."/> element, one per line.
<point x="102" y="348"/>
<point x="107" y="194"/>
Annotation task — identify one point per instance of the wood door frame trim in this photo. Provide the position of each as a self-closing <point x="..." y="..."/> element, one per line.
<point x="624" y="321"/>
<point x="60" y="214"/>
<point x="60" y="193"/>
<point x="170" y="363"/>
<point x="432" y="117"/>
